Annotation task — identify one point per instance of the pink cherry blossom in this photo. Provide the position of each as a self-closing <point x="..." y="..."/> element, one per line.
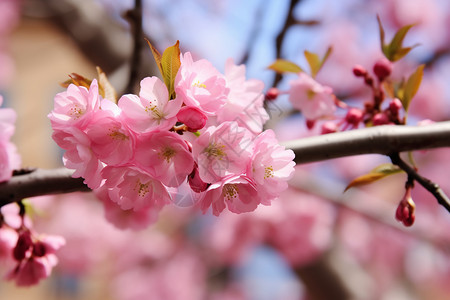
<point x="245" y="102"/>
<point x="36" y="258"/>
<point x="133" y="189"/>
<point x="314" y="100"/>
<point x="223" y="150"/>
<point x="199" y="84"/>
<point x="111" y="140"/>
<point x="125" y="218"/>
<point x="238" y="192"/>
<point x="8" y="240"/>
<point x="271" y="167"/>
<point x="152" y="110"/>
<point x="166" y="156"/>
<point x="79" y="156"/>
<point x="74" y="106"/>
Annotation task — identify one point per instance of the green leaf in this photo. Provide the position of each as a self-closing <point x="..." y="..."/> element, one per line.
<point x="380" y="27"/>
<point x="377" y="173"/>
<point x="395" y="50"/>
<point x="314" y="62"/>
<point x="170" y="63"/>
<point x="282" y="66"/>
<point x="157" y="56"/>
<point x="412" y="86"/>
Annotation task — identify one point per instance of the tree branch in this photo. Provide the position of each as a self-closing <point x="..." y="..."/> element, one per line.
<point x="430" y="186"/>
<point x="134" y="16"/>
<point x="40" y="182"/>
<point x="384" y="140"/>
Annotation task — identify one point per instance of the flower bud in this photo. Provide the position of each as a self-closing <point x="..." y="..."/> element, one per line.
<point x="382" y="69"/>
<point x="39" y="249"/>
<point x="380" y="119"/>
<point x="195" y="182"/>
<point x="329" y="127"/>
<point x="192" y="117"/>
<point x="394" y="106"/>
<point x="272" y="94"/>
<point x="310" y="124"/>
<point x="354" y="116"/>
<point x="359" y="71"/>
<point x="405" y="212"/>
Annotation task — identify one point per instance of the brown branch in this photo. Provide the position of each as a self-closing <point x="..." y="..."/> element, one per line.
<point x="40" y="182"/>
<point x="430" y="186"/>
<point x="384" y="140"/>
<point x="381" y="140"/>
<point x="134" y="16"/>
<point x="290" y="21"/>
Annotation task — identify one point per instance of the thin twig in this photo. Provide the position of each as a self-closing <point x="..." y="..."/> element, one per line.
<point x="430" y="186"/>
<point x="289" y="21"/>
<point x="134" y="16"/>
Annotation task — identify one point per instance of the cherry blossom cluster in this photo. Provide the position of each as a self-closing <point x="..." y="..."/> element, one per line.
<point x="28" y="256"/>
<point x="318" y="103"/>
<point x="206" y="143"/>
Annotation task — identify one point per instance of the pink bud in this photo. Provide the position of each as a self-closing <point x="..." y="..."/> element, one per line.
<point x="24" y="243"/>
<point x="329" y="127"/>
<point x="382" y="68"/>
<point x="405" y="212"/>
<point x="359" y="71"/>
<point x="380" y="119"/>
<point x="394" y="106"/>
<point x="310" y="124"/>
<point x="195" y="182"/>
<point x="192" y="117"/>
<point x="354" y="116"/>
<point x="272" y="94"/>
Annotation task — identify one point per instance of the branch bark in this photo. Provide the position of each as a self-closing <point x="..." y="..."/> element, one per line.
<point x="385" y="140"/>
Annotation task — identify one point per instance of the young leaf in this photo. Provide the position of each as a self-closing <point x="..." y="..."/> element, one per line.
<point x="315" y="63"/>
<point x="412" y="86"/>
<point x="78" y="80"/>
<point x="394" y="50"/>
<point x="170" y="63"/>
<point x="105" y="87"/>
<point x="282" y="66"/>
<point x="157" y="56"/>
<point x="377" y="173"/>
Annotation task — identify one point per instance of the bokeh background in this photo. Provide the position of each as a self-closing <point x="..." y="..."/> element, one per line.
<point x="316" y="238"/>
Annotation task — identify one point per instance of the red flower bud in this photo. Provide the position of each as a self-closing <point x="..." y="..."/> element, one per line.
<point x="405" y="212"/>
<point x="380" y="119"/>
<point x="195" y="182"/>
<point x="192" y="117"/>
<point x="329" y="127"/>
<point x="272" y="94"/>
<point x="354" y="116"/>
<point x="394" y="106"/>
<point x="359" y="71"/>
<point x="310" y="124"/>
<point x="382" y="69"/>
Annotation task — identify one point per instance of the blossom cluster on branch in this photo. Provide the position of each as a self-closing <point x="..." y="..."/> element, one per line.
<point x="200" y="132"/>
